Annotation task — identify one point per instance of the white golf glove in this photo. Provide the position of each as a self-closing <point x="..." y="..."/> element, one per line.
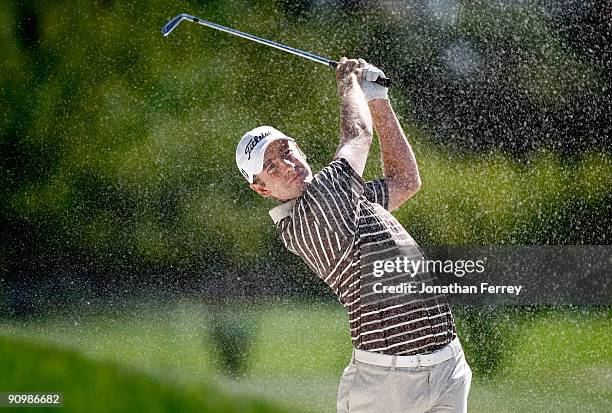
<point x="370" y="89"/>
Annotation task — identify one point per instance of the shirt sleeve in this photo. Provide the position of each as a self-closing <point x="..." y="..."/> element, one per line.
<point x="377" y="191"/>
<point x="332" y="198"/>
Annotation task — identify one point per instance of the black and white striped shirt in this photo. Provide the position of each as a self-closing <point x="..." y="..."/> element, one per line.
<point x="339" y="227"/>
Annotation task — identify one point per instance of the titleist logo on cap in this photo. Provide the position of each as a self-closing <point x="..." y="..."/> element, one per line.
<point x="253" y="142"/>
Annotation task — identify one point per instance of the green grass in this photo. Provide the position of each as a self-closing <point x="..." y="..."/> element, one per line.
<point x="305" y="341"/>
<point x="90" y="385"/>
<point x="560" y="362"/>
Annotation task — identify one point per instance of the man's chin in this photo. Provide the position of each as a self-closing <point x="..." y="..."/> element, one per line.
<point x="298" y="188"/>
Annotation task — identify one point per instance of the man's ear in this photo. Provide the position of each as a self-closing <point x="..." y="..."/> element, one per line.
<point x="261" y="189"/>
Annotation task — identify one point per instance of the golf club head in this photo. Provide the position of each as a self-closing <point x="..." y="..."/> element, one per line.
<point x="171" y="25"/>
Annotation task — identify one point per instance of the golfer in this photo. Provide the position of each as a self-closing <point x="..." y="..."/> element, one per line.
<point x="406" y="356"/>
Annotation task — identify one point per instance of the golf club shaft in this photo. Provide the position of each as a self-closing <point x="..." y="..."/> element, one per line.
<point x="173" y="23"/>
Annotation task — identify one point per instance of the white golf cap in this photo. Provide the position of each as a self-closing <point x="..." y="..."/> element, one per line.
<point x="252" y="147"/>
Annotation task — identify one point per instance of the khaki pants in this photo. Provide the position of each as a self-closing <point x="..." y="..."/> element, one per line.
<point x="367" y="388"/>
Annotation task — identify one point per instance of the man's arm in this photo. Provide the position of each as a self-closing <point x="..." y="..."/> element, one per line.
<point x="355" y="117"/>
<point x="399" y="163"/>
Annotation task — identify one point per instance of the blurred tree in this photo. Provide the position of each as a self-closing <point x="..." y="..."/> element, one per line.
<point x="487" y="76"/>
<point x="116" y="144"/>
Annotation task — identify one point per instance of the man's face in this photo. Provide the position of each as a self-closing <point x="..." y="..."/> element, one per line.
<point x="285" y="173"/>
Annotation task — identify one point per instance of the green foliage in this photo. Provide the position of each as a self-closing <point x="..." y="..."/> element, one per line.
<point x="494" y="200"/>
<point x="117" y="142"/>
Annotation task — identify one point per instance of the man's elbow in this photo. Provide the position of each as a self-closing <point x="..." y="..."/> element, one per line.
<point x="401" y="190"/>
<point x="412" y="186"/>
<point x="409" y="181"/>
<point x="417" y="184"/>
<point x="407" y="187"/>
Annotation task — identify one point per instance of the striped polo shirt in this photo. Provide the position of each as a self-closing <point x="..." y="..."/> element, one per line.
<point x="340" y="226"/>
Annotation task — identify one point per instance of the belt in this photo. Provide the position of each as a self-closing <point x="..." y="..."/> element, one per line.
<point x="430" y="359"/>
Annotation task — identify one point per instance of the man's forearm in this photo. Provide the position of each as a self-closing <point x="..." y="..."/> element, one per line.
<point x="355" y="125"/>
<point x="399" y="162"/>
<point x="355" y="117"/>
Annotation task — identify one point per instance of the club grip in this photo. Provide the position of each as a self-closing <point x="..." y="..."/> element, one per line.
<point x="383" y="81"/>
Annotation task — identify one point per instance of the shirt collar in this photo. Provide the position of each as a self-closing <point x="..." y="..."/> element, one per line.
<point x="281" y="211"/>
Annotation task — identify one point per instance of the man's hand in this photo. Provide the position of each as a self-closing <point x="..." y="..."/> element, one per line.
<point x="348" y="74"/>
<point x="370" y="89"/>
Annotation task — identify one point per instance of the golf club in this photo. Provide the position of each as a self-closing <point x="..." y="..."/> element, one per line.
<point x="174" y="22"/>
